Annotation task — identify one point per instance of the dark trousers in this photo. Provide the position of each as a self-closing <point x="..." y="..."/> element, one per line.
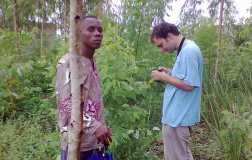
<point x="83" y="155"/>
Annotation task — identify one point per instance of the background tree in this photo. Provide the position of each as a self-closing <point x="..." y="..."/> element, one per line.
<point x="42" y="28"/>
<point x="16" y="27"/>
<point x="228" y="9"/>
<point x="3" y="14"/>
<point x="137" y="16"/>
<point x="65" y="20"/>
<point x="189" y="13"/>
<point x="218" y="46"/>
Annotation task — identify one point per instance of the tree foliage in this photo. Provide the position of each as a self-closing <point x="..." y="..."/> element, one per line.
<point x="189" y="13"/>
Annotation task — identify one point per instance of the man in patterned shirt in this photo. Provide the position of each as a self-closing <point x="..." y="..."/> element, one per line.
<point x="94" y="126"/>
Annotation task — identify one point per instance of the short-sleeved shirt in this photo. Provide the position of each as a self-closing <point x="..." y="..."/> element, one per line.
<point x="93" y="115"/>
<point x="181" y="107"/>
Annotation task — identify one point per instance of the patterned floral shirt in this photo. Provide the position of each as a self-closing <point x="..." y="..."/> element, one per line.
<point x="93" y="115"/>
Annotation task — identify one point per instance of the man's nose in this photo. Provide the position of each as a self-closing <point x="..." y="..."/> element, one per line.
<point x="161" y="49"/>
<point x="97" y="33"/>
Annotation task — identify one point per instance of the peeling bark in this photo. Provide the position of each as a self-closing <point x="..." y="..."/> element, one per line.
<point x="77" y="88"/>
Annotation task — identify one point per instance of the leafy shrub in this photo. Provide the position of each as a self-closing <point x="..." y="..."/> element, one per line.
<point x="30" y="138"/>
<point x="123" y="95"/>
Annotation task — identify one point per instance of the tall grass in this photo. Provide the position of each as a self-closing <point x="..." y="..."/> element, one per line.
<point x="229" y="116"/>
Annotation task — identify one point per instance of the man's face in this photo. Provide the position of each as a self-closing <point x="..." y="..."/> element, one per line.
<point x="165" y="45"/>
<point x="92" y="33"/>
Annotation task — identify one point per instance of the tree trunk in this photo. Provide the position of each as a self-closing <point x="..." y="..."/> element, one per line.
<point x="218" y="47"/>
<point x="77" y="87"/>
<point x="3" y="15"/>
<point x="60" y="17"/>
<point x="16" y="28"/>
<point x="42" y="31"/>
<point x="139" y="31"/>
<point x="65" y="21"/>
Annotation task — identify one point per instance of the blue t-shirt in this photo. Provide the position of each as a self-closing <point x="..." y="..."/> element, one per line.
<point x="181" y="107"/>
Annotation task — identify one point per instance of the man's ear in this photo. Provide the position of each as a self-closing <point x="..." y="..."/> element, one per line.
<point x="168" y="36"/>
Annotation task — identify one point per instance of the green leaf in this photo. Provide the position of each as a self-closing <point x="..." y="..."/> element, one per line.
<point x="54" y="94"/>
<point x="111" y="60"/>
<point x="142" y="133"/>
<point x="223" y="132"/>
<point x="13" y="81"/>
<point x="127" y="86"/>
<point x="130" y="131"/>
<point x="136" y="116"/>
<point x="108" y="85"/>
<point x="4" y="103"/>
<point x="53" y="111"/>
<point x="125" y="105"/>
<point x="54" y="79"/>
<point x="19" y="72"/>
<point x="135" y="90"/>
<point x="155" y="129"/>
<point x="112" y="70"/>
<point x="224" y="119"/>
<point x="51" y="71"/>
<point x="116" y="143"/>
<point x="29" y="66"/>
<point x="128" y="117"/>
<point x="120" y="99"/>
<point x="58" y="157"/>
<point x="149" y="133"/>
<point x="35" y="89"/>
<point x="14" y="94"/>
<point x="231" y="123"/>
<point x="224" y="112"/>
<point x="122" y="75"/>
<point x="6" y="93"/>
<point x="142" y="90"/>
<point x="137" y="135"/>
<point x="131" y="95"/>
<point x="150" y="81"/>
<point x="103" y="73"/>
<point x="250" y="136"/>
<point x="125" y="136"/>
<point x="245" y="114"/>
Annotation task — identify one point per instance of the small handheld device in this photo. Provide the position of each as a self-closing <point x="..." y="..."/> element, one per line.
<point x="159" y="71"/>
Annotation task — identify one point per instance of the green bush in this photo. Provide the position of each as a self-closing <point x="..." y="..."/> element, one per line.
<point x="35" y="137"/>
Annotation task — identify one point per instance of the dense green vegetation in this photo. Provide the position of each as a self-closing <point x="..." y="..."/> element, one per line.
<point x="133" y="101"/>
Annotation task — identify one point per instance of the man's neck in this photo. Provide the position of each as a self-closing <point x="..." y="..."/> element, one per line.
<point x="178" y="41"/>
<point x="88" y="53"/>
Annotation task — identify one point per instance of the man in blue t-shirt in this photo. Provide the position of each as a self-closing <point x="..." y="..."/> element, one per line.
<point x="182" y="95"/>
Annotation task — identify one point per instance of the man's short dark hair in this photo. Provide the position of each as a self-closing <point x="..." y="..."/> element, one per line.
<point x="162" y="29"/>
<point x="88" y="16"/>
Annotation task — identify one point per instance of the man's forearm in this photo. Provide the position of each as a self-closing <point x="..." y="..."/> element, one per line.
<point x="177" y="82"/>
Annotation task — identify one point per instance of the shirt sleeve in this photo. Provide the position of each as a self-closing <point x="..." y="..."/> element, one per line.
<point x="90" y="123"/>
<point x="190" y="71"/>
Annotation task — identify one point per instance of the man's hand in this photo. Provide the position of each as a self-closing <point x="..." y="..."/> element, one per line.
<point x="167" y="71"/>
<point x="158" y="75"/>
<point x="103" y="134"/>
